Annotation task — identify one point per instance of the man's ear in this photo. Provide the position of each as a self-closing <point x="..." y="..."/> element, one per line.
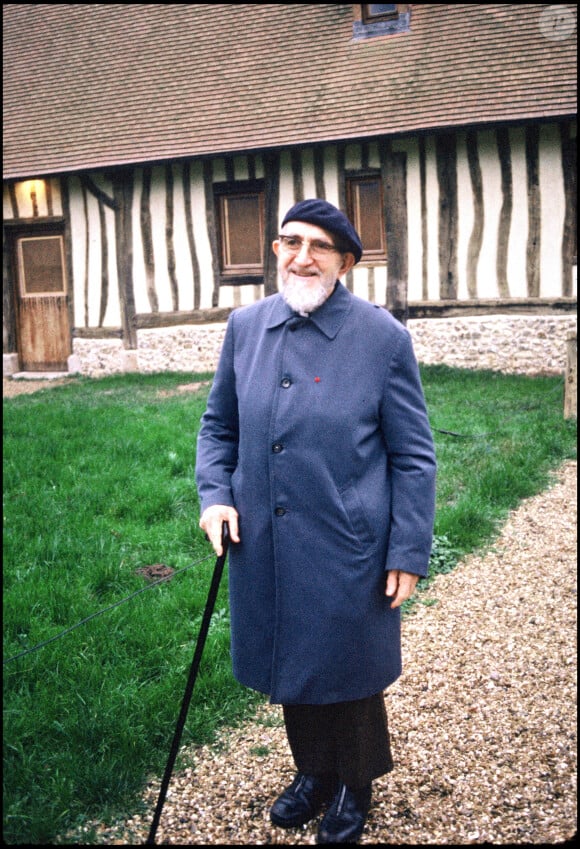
<point x="348" y="261"/>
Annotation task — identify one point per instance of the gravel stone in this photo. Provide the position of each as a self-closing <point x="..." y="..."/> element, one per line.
<point x="483" y="719"/>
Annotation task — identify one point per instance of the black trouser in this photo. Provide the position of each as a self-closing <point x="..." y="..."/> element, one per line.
<point x="347" y="740"/>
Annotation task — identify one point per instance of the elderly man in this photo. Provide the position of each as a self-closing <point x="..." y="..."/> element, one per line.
<point x="316" y="449"/>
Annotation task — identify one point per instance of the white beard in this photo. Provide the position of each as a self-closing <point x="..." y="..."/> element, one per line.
<point x="304" y="300"/>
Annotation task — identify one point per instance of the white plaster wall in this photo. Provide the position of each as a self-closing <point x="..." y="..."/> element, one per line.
<point x="552" y="214"/>
<point x="553" y="209"/>
<point x="352" y="157"/>
<point x="183" y="264"/>
<point x="90" y="263"/>
<point x="157" y="207"/>
<point x="112" y="315"/>
<point x="202" y="243"/>
<point x="308" y="180"/>
<point x="330" y="175"/>
<point x="140" y="283"/>
<point x="492" y="200"/>
<point x="432" y="192"/>
<point x="415" y="247"/>
<point x="241" y="170"/>
<point x="79" y="254"/>
<point x="374" y="156"/>
<point x="56" y="196"/>
<point x="286" y="193"/>
<point x="380" y="284"/>
<point x="466" y="214"/>
<point x="360" y="281"/>
<point x="517" y="246"/>
<point x="219" y="170"/>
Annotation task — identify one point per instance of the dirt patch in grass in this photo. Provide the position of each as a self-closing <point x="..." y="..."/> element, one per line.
<point x="11" y="388"/>
<point x="22" y="386"/>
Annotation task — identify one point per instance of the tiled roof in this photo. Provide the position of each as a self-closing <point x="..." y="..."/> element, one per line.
<point x="95" y="85"/>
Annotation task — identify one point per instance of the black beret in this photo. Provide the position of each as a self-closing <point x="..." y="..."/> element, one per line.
<point x="328" y="217"/>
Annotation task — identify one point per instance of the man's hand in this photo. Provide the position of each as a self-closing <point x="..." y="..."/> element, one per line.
<point x="212" y="520"/>
<point x="401" y="585"/>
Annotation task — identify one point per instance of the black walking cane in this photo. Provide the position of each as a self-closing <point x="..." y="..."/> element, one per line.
<point x="209" y="606"/>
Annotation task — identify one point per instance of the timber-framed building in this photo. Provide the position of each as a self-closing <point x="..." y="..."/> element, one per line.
<point x="151" y="150"/>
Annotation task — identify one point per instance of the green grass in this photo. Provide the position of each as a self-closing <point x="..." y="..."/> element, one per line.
<point x="498" y="439"/>
<point x="98" y="481"/>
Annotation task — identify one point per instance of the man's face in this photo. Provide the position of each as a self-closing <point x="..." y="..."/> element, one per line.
<point x="309" y="270"/>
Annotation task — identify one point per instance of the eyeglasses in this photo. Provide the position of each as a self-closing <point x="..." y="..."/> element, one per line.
<point x="318" y="249"/>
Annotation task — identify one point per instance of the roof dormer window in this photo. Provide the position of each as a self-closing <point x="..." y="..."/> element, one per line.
<point x="373" y="19"/>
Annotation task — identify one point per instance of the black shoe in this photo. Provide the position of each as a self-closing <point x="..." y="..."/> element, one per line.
<point x="345" y="819"/>
<point x="302" y="801"/>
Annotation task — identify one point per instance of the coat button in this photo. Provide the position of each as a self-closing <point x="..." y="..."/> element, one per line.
<point x="277" y="447"/>
<point x="286" y="382"/>
<point x="279" y="511"/>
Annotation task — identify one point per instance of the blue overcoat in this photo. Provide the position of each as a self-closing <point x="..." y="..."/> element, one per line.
<point x="316" y="431"/>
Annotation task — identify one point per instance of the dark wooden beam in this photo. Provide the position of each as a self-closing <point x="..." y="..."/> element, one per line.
<point x="123" y="195"/>
<point x="148" y="321"/>
<point x="492" y="306"/>
<point x="394" y="177"/>
<point x="446" y="156"/>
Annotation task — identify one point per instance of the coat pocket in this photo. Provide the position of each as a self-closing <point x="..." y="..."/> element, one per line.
<point x="357" y="517"/>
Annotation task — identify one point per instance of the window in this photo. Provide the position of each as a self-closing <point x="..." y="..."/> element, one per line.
<point x="366" y="211"/>
<point x="240" y="212"/>
<point x="378" y="12"/>
<point x="41" y="266"/>
<point x="374" y="19"/>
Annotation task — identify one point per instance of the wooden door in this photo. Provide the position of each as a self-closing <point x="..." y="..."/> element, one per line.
<point x="43" y="327"/>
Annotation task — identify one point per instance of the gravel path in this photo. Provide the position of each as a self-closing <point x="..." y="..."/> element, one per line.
<point x="483" y="720"/>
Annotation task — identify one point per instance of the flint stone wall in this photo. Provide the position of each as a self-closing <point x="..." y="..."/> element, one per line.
<point x="511" y="344"/>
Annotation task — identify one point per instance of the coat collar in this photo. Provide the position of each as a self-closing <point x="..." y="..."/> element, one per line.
<point x="328" y="318"/>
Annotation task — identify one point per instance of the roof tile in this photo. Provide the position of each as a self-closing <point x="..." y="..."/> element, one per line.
<point x="96" y="85"/>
